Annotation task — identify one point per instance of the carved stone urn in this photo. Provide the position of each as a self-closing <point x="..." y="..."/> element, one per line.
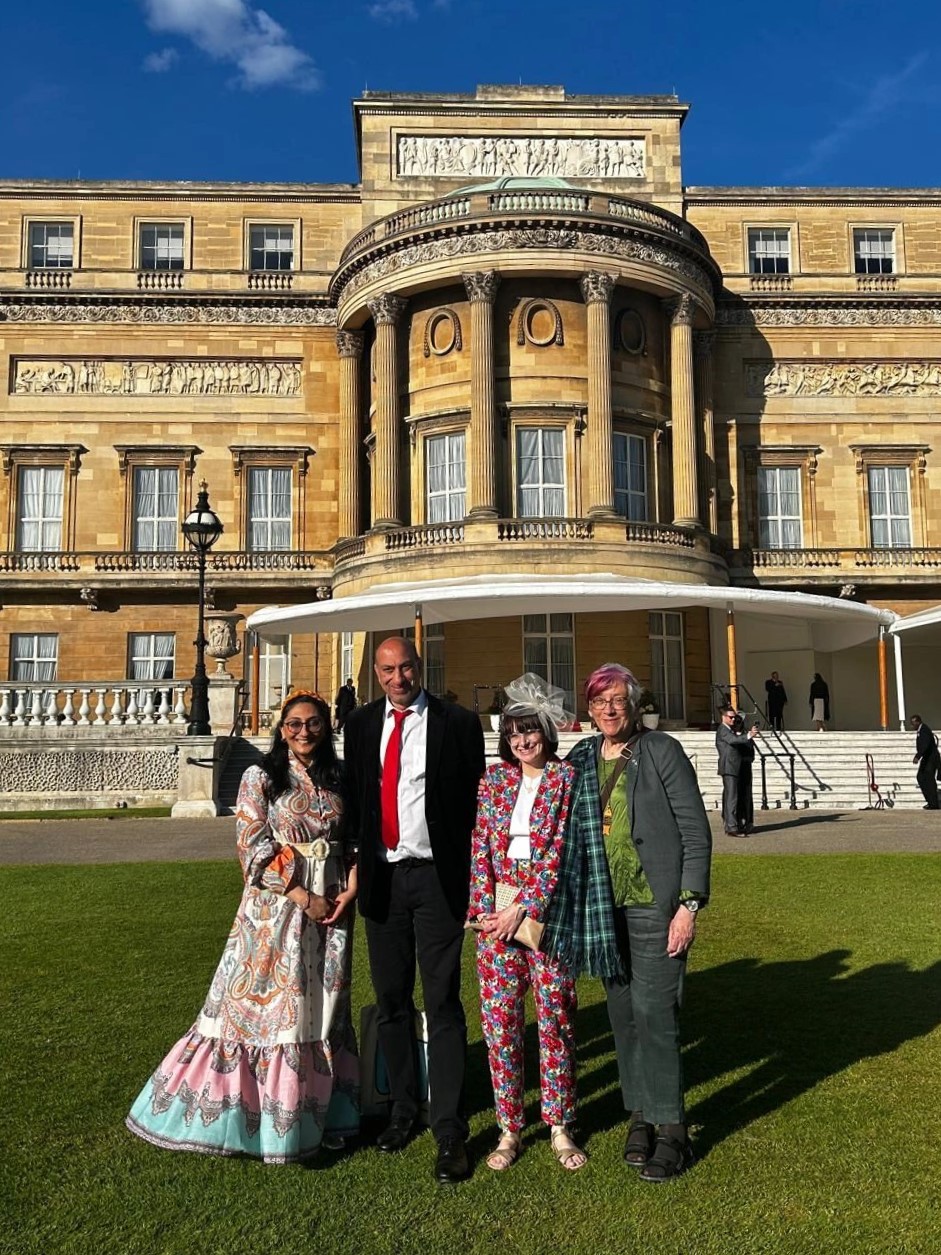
<point x="221" y="642"/>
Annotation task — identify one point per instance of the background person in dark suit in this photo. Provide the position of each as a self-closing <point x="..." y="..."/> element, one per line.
<point x="777" y="700"/>
<point x="344" y="703"/>
<point x="736" y="754"/>
<point x="413" y="765"/>
<point x="928" y="760"/>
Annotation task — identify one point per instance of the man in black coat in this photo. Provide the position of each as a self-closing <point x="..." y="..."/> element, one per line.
<point x="928" y="760"/>
<point x="736" y="754"/>
<point x="413" y="765"/>
<point x="777" y="700"/>
<point x="344" y="703"/>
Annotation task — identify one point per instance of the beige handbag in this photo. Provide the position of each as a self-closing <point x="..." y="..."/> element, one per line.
<point x="529" y="931"/>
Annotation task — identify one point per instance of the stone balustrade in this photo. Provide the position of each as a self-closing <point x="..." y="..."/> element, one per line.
<point x="160" y="280"/>
<point x="420" y="537"/>
<point x="850" y="561"/>
<point x="54" y="280"/>
<point x="98" y="704"/>
<point x="544" y="529"/>
<point x="118" y="561"/>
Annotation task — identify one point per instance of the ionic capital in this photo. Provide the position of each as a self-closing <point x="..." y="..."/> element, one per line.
<point x="596" y="286"/>
<point x="387" y="309"/>
<point x="481" y="285"/>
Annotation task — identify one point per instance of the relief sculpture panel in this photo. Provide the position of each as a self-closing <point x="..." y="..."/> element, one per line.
<point x="498" y="156"/>
<point x="199" y="377"/>
<point x="843" y="379"/>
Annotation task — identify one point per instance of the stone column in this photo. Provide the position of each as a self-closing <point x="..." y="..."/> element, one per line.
<point x="350" y="349"/>
<point x="703" y="343"/>
<point x="386" y="311"/>
<point x="482" y="452"/>
<point x="683" y="406"/>
<point x="597" y="288"/>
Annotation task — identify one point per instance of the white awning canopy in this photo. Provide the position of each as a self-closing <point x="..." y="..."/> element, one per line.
<point x="921" y="619"/>
<point x="834" y="623"/>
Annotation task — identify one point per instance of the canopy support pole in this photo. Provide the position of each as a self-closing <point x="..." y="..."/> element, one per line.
<point x="883" y="682"/>
<point x="255" y="681"/>
<point x="733" y="664"/>
<point x="899" y="680"/>
<point x="418" y="632"/>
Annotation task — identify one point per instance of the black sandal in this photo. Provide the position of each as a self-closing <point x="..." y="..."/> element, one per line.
<point x="639" y="1145"/>
<point x="670" y="1159"/>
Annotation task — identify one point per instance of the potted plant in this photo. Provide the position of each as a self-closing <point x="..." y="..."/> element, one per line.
<point x="649" y="709"/>
<point x="495" y="709"/>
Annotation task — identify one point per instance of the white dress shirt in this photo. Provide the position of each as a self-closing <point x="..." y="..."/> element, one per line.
<point x="519" y="846"/>
<point x="414" y="841"/>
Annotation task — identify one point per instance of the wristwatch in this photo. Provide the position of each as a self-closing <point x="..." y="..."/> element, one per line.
<point x="692" y="905"/>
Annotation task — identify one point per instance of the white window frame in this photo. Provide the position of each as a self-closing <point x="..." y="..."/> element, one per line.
<point x="550" y="631"/>
<point x="871" y="260"/>
<point x="165" y="253"/>
<point x="894" y="523"/>
<point x="667" y="680"/>
<point x="33" y="659"/>
<point x="543" y="486"/>
<point x="156" y="519"/>
<point x="347" y="656"/>
<point x="630" y="501"/>
<point x="274" y="673"/>
<point x="149" y="666"/>
<point x="449" y="503"/>
<point x="251" y="228"/>
<point x="34" y="225"/>
<point x="262" y="527"/>
<point x="769" y="250"/>
<point x="432" y="650"/>
<point x="49" y="525"/>
<point x="773" y="525"/>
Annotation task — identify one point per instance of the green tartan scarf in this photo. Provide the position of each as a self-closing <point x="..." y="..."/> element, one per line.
<point x="580" y="930"/>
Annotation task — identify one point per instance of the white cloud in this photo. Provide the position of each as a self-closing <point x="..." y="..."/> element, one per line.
<point x="394" y="11"/>
<point x="885" y="95"/>
<point x="233" y="31"/>
<point x="160" y="62"/>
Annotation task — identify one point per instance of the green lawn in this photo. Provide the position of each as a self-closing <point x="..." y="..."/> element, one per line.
<point x="813" y="1063"/>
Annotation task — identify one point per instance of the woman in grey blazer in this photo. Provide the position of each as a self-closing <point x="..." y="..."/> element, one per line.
<point x="635" y="873"/>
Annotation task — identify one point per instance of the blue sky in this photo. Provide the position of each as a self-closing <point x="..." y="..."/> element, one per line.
<point x="836" y="92"/>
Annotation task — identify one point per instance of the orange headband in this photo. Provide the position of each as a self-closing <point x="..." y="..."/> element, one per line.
<point x="308" y="693"/>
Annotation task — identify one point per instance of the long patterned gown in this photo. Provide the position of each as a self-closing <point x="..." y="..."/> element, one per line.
<point x="271" y="1062"/>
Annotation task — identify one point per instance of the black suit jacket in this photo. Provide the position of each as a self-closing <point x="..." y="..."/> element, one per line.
<point x="735" y="749"/>
<point x="453" y="769"/>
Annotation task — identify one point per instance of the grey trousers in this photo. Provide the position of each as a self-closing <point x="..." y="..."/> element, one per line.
<point x="730" y="803"/>
<point x="644" y="1012"/>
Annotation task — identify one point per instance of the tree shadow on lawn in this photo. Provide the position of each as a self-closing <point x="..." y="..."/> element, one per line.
<point x="790" y="1024"/>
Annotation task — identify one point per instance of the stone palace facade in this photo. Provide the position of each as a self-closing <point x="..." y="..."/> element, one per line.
<point x="518" y="344"/>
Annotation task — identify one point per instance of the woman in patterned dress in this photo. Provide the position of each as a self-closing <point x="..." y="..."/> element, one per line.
<point x="522" y="808"/>
<point x="270" y="1067"/>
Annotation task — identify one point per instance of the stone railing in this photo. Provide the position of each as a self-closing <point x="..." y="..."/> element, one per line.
<point x="658" y="534"/>
<point x="424" y="536"/>
<point x="427" y="215"/>
<point x="877" y="283"/>
<point x="98" y="704"/>
<point x="118" y="561"/>
<point x="270" y="280"/>
<point x="898" y="558"/>
<point x="160" y="280"/>
<point x="771" y="283"/>
<point x="348" y="548"/>
<point x="561" y="202"/>
<point x="55" y="279"/>
<point x="544" y="529"/>
<point x="847" y="560"/>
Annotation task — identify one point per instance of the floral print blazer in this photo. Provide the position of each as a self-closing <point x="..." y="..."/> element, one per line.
<point x="537" y="876"/>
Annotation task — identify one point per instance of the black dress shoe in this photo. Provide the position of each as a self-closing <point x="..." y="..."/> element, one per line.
<point x="451" y="1165"/>
<point x="669" y="1160"/>
<point x="396" y="1136"/>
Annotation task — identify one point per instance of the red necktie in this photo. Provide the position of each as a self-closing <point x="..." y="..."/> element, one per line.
<point x="389" y="792"/>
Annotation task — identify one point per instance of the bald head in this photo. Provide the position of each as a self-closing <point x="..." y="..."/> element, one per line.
<point x="398" y="670"/>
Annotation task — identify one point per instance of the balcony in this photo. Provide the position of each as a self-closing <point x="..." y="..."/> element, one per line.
<point x="503" y="546"/>
<point x="794" y="567"/>
<point x="124" y="704"/>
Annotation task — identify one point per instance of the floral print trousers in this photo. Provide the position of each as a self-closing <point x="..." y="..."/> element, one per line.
<point x="506" y="972"/>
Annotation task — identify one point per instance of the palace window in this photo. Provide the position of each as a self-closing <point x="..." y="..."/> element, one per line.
<point x="151" y="657"/>
<point x="667" y="670"/>
<point x="274" y="673"/>
<point x="51" y="245"/>
<point x="890" y="508"/>
<point x="874" y="250"/>
<point x="540" y="472"/>
<point x="346" y="656"/>
<point x="269" y="507"/>
<point x="445" y="478"/>
<point x="630" y="477"/>
<point x="769" y="250"/>
<point x="39" y="508"/>
<point x="779" y="507"/>
<point x="34" y="656"/>
<point x="271" y="247"/>
<point x="161" y="246"/>
<point x="549" y="651"/>
<point x="156" y="514"/>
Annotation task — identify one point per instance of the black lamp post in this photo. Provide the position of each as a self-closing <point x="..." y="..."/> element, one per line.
<point x="202" y="528"/>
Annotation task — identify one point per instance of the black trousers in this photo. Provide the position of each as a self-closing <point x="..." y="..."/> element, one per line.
<point x="420" y="927"/>
<point x="927" y="778"/>
<point x="738" y="808"/>
<point x="776" y="717"/>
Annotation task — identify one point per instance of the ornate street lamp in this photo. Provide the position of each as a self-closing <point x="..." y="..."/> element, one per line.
<point x="202" y="528"/>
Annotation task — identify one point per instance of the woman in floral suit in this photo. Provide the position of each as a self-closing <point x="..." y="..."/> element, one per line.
<point x="523" y="803"/>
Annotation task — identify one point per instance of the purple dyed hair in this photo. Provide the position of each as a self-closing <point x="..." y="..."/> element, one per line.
<point x="610" y="673"/>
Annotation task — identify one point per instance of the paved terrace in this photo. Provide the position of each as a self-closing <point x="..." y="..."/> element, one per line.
<point x="165" y="840"/>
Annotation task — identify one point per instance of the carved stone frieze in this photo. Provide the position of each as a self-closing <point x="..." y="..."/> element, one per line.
<point x="350" y="343"/>
<point x="387" y="309"/>
<point x="192" y="377"/>
<point x="849" y="315"/>
<point x="843" y="378"/>
<point x="177" y="312"/>
<point x="459" y="246"/>
<point x="537" y="156"/>
<point x="482" y="285"/>
<point x="597" y="286"/>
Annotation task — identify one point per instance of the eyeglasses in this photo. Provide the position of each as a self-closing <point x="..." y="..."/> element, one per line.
<point x="619" y="704"/>
<point x="521" y="736"/>
<point x="294" y="725"/>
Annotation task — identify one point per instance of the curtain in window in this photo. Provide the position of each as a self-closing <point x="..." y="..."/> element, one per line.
<point x="889" y="507"/>
<point x="445" y="478"/>
<point x="34" y="657"/>
<point x="269" y="507"/>
<point x="156" y="514"/>
<point x="41" y="491"/>
<point x="540" y="473"/>
<point x="630" y="477"/>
